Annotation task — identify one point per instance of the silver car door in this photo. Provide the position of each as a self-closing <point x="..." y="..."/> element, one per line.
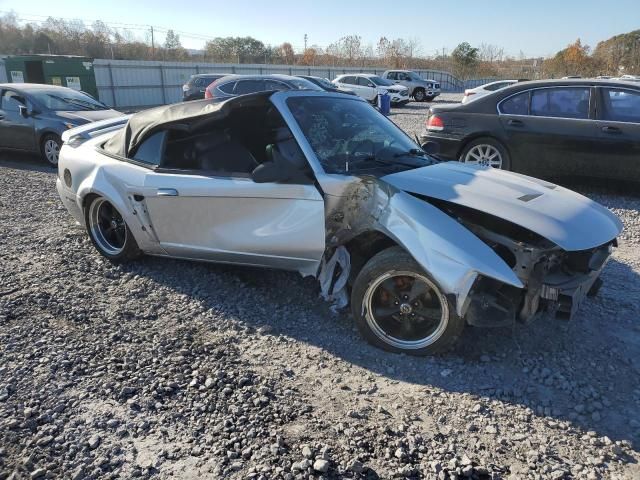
<point x="235" y="220"/>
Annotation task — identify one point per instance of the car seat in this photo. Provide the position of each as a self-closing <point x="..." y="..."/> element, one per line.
<point x="217" y="152"/>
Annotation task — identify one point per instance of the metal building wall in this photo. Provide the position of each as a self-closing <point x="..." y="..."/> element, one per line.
<point x="130" y="84"/>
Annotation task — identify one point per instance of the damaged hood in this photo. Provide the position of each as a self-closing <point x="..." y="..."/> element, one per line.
<point x="568" y="219"/>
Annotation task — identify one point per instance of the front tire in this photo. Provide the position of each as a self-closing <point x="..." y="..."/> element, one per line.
<point x="108" y="231"/>
<point x="50" y="148"/>
<point x="397" y="306"/>
<point x="419" y="95"/>
<point x="487" y="152"/>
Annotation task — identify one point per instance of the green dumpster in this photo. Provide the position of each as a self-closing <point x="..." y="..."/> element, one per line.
<point x="63" y="70"/>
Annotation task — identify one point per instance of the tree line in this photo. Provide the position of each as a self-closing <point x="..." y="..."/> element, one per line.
<point x="99" y="40"/>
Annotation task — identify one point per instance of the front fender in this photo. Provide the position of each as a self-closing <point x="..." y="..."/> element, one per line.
<point x="443" y="247"/>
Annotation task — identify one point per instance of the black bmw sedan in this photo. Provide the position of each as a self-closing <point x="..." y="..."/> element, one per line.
<point x="550" y="128"/>
<point x="33" y="116"/>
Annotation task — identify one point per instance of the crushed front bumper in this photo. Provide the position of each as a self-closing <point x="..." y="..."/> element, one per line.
<point x="558" y="292"/>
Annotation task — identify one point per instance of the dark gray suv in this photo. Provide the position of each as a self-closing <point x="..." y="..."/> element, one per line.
<point x="196" y="85"/>
<point x="234" y="85"/>
<point x="33" y="116"/>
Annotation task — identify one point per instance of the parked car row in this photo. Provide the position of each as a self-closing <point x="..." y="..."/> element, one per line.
<point x="367" y="86"/>
<point x="550" y="128"/>
<point x="554" y="128"/>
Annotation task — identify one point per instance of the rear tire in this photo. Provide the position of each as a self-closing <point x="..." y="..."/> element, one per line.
<point x="50" y="148"/>
<point x="108" y="231"/>
<point x="486" y="151"/>
<point x="398" y="307"/>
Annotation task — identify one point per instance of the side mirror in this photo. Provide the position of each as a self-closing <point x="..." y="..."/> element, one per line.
<point x="23" y="111"/>
<point x="431" y="148"/>
<point x="270" y="172"/>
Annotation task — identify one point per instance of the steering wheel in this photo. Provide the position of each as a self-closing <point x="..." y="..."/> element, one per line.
<point x="354" y="150"/>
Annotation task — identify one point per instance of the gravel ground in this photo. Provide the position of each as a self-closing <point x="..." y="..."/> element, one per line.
<point x="411" y="117"/>
<point x="170" y="369"/>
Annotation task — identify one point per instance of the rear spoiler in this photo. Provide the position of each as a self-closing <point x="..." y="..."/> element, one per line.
<point x="81" y="134"/>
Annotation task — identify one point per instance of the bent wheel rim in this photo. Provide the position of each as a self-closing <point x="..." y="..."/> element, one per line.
<point x="51" y="151"/>
<point x="485" y="155"/>
<point x="107" y="227"/>
<point x="406" y="310"/>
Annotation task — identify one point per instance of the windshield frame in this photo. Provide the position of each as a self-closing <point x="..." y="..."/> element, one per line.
<point x="280" y="100"/>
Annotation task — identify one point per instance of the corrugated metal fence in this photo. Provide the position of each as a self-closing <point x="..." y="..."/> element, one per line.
<point x="3" y="72"/>
<point x="134" y="83"/>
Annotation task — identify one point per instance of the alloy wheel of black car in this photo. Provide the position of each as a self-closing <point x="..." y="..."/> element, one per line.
<point x="486" y="152"/>
<point x="50" y="148"/>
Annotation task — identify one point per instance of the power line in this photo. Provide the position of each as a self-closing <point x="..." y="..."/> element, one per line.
<point x="41" y="19"/>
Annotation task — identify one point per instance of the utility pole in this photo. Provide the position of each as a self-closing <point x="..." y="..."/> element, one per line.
<point x="153" y="45"/>
<point x="305" y="42"/>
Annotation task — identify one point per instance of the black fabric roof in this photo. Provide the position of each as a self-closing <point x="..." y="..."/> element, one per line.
<point x="146" y="122"/>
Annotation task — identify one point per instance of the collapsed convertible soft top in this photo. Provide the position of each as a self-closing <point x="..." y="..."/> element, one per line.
<point x="144" y="123"/>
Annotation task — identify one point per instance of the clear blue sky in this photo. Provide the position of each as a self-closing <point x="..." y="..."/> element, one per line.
<point x="537" y="28"/>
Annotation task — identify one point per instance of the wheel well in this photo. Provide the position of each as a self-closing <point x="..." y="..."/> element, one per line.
<point x="88" y="198"/>
<point x="45" y="133"/>
<point x="418" y="88"/>
<point x="476" y="137"/>
<point x="365" y="246"/>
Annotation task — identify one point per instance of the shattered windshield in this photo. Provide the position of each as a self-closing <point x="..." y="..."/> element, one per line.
<point x="350" y="136"/>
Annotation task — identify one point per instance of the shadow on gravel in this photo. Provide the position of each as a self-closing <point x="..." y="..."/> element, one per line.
<point x="24" y="161"/>
<point x="580" y="371"/>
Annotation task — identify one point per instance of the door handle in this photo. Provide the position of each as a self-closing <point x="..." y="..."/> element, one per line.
<point x="515" y="123"/>
<point x="167" y="192"/>
<point x="612" y="130"/>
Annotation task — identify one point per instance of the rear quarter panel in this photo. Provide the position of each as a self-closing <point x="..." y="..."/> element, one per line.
<point x="94" y="173"/>
<point x="466" y="125"/>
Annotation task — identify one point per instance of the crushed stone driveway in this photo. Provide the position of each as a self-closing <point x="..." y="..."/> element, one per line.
<point x="170" y="369"/>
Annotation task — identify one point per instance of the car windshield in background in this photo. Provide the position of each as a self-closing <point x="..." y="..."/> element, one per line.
<point x="326" y="83"/>
<point x="381" y="81"/>
<point x="69" y="100"/>
<point x="303" y="84"/>
<point x="350" y="136"/>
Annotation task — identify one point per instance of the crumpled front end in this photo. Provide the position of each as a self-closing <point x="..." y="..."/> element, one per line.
<point x="494" y="271"/>
<point x="554" y="280"/>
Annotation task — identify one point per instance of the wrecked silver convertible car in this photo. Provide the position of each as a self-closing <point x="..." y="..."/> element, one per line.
<point x="323" y="184"/>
